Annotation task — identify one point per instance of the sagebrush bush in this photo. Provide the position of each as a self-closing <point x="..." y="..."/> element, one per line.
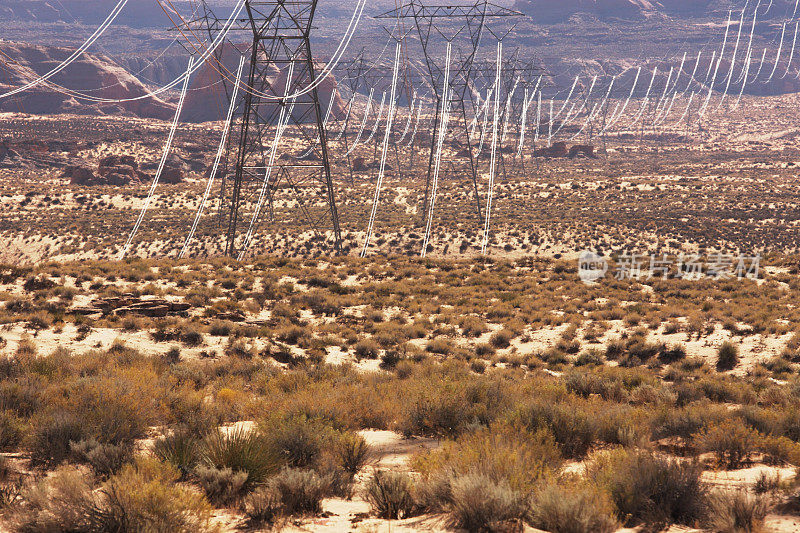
<point x="367" y="349"/>
<point x="572" y="428"/>
<point x="353" y="453"/>
<point x="389" y="494"/>
<point x="60" y="502"/>
<point x="735" y="512"/>
<point x="49" y="442"/>
<point x="144" y="497"/>
<point x="647" y="488"/>
<point x="727" y="356"/>
<point x="519" y="457"/>
<point x="501" y="339"/>
<point x="300" y="491"/>
<point x="479" y="503"/>
<point x="105" y="459"/>
<point x="262" y="506"/>
<point x="560" y="509"/>
<point x="731" y="441"/>
<point x="222" y="486"/>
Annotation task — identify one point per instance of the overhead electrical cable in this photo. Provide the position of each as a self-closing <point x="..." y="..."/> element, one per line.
<point x="162" y="163"/>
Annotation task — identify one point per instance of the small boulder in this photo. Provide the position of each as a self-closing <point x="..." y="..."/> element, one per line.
<point x="79" y="175"/>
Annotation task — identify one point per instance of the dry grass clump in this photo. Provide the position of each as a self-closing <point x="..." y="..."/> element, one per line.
<point x="571" y="508"/>
<point x="736" y="512"/>
<point x="390" y="495"/>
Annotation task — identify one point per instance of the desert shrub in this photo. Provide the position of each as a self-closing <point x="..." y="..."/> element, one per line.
<point x="479" y="503"/>
<point x="590" y="357"/>
<point x="144" y="497"/>
<point x="560" y="509"/>
<point x="672" y="354"/>
<point x="648" y="488"/>
<point x="389" y="494"/>
<point x="439" y="345"/>
<point x="220" y="328"/>
<point x="731" y="441"/>
<point x="765" y="483"/>
<point x="472" y="326"/>
<point x="241" y="451"/>
<point x="501" y="339"/>
<point x="300" y="491"/>
<point x="686" y="421"/>
<point x="222" y="486"/>
<point x="735" y="512"/>
<point x="778" y="450"/>
<point x="572" y="427"/>
<point x="297" y="440"/>
<point x="389" y="359"/>
<point x="105" y="459"/>
<point x="727" y="356"/>
<point x="12" y="431"/>
<point x="60" y="502"/>
<point x="49" y="442"/>
<point x="291" y="334"/>
<point x="191" y="337"/>
<point x="180" y="449"/>
<point x="353" y="453"/>
<point x="367" y="349"/>
<point x="262" y="506"/>
<point x="173" y="356"/>
<point x="501" y="452"/>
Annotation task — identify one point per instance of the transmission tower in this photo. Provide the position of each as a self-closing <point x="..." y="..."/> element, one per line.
<point x="279" y="113"/>
<point x="446" y="23"/>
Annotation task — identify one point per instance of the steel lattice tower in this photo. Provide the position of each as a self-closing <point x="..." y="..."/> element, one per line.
<point x="280" y="69"/>
<point x="447" y="23"/>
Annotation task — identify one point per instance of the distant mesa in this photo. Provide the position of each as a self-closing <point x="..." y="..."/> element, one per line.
<point x="553" y="11"/>
<point x="207" y="98"/>
<point x="94" y="74"/>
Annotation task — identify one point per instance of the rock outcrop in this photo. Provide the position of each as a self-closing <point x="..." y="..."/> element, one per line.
<point x="96" y="74"/>
<point x="207" y="99"/>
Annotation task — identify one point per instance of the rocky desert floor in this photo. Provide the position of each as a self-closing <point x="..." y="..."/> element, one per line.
<point x="302" y="391"/>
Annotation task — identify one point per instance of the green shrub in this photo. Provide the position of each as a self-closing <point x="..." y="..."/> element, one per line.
<point x="571" y="510"/>
<point x="735" y="512"/>
<point x="647" y="488"/>
<point x="390" y="495"/>
<point x="727" y="356"/>
<point x="479" y="503"/>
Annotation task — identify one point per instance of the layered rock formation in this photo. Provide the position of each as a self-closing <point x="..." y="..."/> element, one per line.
<point x="207" y="99"/>
<point x="94" y="74"/>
